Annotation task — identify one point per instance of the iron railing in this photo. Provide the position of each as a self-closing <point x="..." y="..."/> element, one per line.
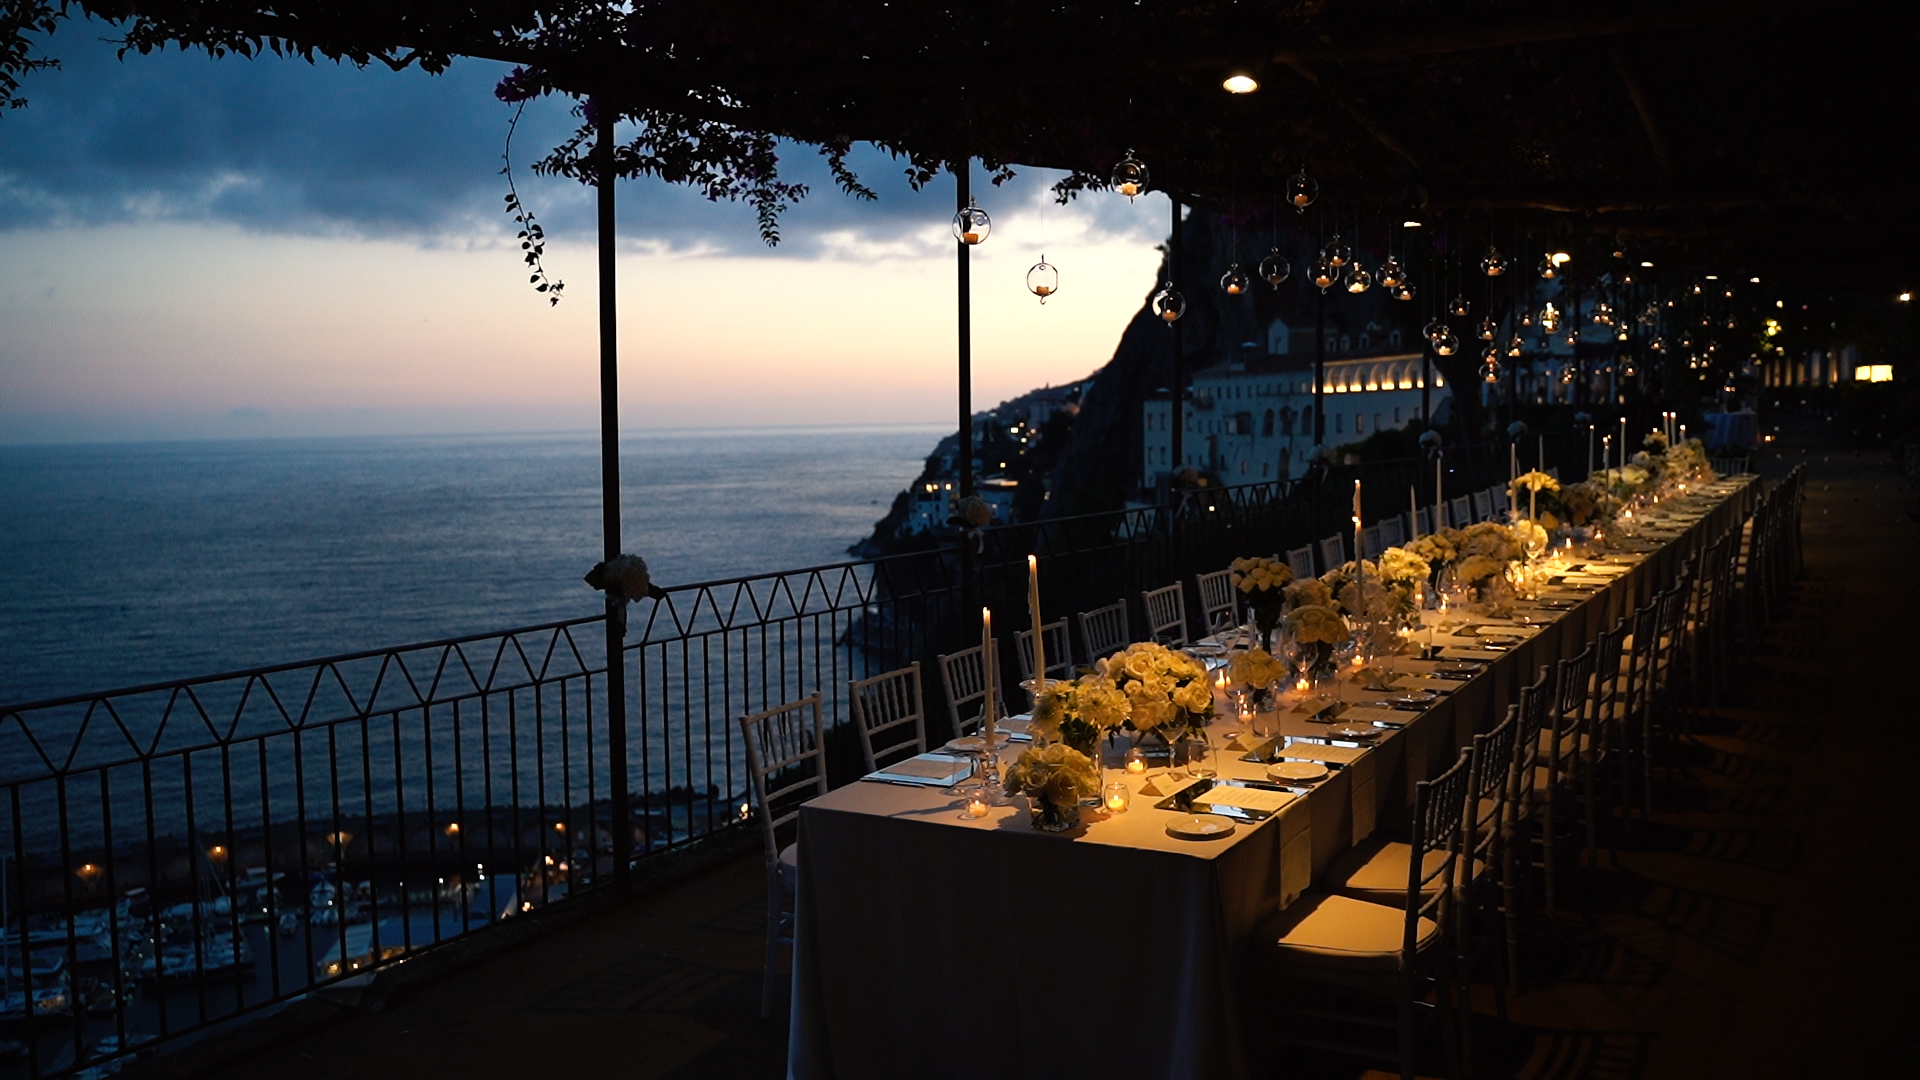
<point x="178" y="854"/>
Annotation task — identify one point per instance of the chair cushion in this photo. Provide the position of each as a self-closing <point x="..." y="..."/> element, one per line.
<point x="1375" y="870"/>
<point x="1335" y="934"/>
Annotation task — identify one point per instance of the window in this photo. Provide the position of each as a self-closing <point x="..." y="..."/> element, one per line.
<point x="1376" y="422"/>
<point x="1396" y="416"/>
<point x="1873" y="373"/>
<point x="1340" y="424"/>
<point x="1366" y="342"/>
<point x="1359" y="423"/>
<point x="1266" y="424"/>
<point x="1393" y="340"/>
<point x="1306" y="419"/>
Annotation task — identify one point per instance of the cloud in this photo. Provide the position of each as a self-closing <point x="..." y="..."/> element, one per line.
<point x="279" y="146"/>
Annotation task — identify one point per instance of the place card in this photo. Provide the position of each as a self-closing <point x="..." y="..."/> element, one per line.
<point x="1244" y="798"/>
<point x="1164" y="783"/>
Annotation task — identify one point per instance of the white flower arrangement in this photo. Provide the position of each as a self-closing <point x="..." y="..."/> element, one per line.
<point x="1163" y="688"/>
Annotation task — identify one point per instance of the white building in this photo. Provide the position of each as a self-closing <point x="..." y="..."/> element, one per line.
<point x="1251" y="420"/>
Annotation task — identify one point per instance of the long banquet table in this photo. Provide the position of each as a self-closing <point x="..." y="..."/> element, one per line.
<point x="929" y="944"/>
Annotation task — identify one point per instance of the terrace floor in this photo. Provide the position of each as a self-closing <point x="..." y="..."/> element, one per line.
<point x="1759" y="926"/>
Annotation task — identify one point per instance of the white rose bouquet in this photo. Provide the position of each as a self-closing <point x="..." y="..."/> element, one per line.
<point x="1077" y="712"/>
<point x="1054" y="779"/>
<point x="1263" y="581"/>
<point x="1166" y="691"/>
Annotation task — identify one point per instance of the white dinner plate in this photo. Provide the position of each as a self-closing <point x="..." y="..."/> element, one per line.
<point x="1200" y="827"/>
<point x="1415" y="697"/>
<point x="1297" y="770"/>
<point x="973" y="744"/>
<point x="1355" y="732"/>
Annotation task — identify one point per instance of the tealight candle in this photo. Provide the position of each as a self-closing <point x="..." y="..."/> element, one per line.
<point x="1136" y="761"/>
<point x="1115" y="797"/>
<point x="976" y="808"/>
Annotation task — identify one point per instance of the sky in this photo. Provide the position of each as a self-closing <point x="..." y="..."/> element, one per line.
<point x="241" y="248"/>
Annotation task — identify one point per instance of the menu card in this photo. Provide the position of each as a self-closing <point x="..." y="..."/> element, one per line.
<point x="1246" y="798"/>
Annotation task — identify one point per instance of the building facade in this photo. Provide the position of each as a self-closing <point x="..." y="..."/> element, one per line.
<point x="1251" y="419"/>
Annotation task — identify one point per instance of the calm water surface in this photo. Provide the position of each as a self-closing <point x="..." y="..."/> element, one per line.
<point x="128" y="563"/>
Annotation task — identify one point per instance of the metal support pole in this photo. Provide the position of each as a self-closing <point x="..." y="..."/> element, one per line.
<point x="1426" y="383"/>
<point x="1174" y="259"/>
<point x="610" y="504"/>
<point x="962" y="198"/>
<point x="1320" y="368"/>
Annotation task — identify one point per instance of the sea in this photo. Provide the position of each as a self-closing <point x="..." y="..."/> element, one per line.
<point x="127" y="563"/>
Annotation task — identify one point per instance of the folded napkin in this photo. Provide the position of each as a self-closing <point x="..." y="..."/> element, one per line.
<point x="935" y="770"/>
<point x="1455" y="653"/>
<point x="1245" y="798"/>
<point x="1367" y="714"/>
<point x="1323" y="753"/>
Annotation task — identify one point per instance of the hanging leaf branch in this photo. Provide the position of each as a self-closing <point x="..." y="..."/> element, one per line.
<point x="533" y="239"/>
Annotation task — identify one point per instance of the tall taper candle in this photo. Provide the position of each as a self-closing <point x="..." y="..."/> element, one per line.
<point x="1589" y="448"/>
<point x="1439" y="515"/>
<point x="1413" y="512"/>
<point x="1606" y="452"/>
<point x="1623" y="442"/>
<point x="1039" y="645"/>
<point x="1513" y="461"/>
<point x="1356" y="522"/>
<point x="986" y="676"/>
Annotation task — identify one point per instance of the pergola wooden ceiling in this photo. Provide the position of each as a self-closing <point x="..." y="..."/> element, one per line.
<point x="1762" y="137"/>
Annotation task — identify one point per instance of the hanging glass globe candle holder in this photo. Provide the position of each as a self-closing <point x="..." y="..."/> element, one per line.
<point x="1732" y="323"/>
<point x="1573" y="338"/>
<point x="1432" y="330"/>
<point x="1403" y="291"/>
<point x="1566" y="374"/>
<point x="1526" y="317"/>
<point x="1603" y="314"/>
<point x="1358" y="279"/>
<point x="1337" y="253"/>
<point x="1548" y="268"/>
<point x="1460" y="306"/>
<point x="1324" y="275"/>
<point x="1549" y="318"/>
<point x="1686" y="341"/>
<point x="972" y="225"/>
<point x="1302" y="190"/>
<point x="1043" y="279"/>
<point x="1130" y="177"/>
<point x="1698" y="288"/>
<point x="1488" y="330"/>
<point x="1515" y="346"/>
<point x="1490" y="354"/>
<point x="1627" y="372"/>
<point x="1391" y="275"/>
<point x="1274" y="268"/>
<point x="1648" y="316"/>
<point x="1494" y="264"/>
<point x="1446" y="344"/>
<point x="1490" y="370"/>
<point x="1621" y="335"/>
<point x="1169" y="304"/>
<point x="1706" y="320"/>
<point x="1658" y="344"/>
<point x="1235" y="281"/>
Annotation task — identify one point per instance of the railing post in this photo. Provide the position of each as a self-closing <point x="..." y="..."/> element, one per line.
<point x="622" y="825"/>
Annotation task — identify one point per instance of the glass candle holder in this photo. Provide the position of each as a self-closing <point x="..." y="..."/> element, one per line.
<point x="1136" y="761"/>
<point x="1116" y="797"/>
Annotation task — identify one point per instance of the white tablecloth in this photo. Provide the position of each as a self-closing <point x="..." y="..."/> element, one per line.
<point x="931" y="945"/>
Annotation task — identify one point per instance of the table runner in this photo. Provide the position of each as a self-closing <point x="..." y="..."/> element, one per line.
<point x="931" y="945"/>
